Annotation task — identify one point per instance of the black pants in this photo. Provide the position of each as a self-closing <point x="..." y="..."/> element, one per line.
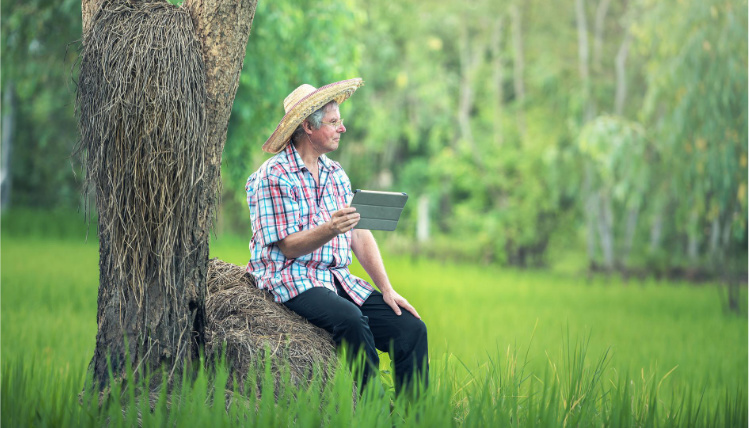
<point x="368" y="328"/>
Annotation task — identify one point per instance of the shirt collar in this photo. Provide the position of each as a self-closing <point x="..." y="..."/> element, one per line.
<point x="296" y="163"/>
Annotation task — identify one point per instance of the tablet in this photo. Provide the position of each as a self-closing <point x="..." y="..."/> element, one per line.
<point x="378" y="210"/>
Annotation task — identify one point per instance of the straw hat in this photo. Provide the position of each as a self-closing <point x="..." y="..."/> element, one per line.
<point x="304" y="101"/>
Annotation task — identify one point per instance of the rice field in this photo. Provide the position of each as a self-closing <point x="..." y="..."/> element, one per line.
<point x="507" y="347"/>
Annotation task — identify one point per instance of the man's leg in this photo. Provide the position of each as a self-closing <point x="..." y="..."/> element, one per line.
<point x="404" y="334"/>
<point x="343" y="319"/>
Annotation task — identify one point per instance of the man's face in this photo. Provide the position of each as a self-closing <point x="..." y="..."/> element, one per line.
<point x="326" y="139"/>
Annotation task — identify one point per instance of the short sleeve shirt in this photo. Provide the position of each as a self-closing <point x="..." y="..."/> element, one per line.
<point x="283" y="199"/>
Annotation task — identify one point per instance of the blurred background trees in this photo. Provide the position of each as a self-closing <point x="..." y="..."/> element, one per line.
<point x="39" y="129"/>
<point x="522" y="130"/>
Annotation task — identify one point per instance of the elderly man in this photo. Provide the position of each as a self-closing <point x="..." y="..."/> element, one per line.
<point x="303" y="235"/>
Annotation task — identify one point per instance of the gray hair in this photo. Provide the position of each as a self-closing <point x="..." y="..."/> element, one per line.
<point x="315" y="120"/>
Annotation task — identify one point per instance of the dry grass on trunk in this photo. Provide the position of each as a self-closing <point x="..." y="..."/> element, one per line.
<point x="247" y="321"/>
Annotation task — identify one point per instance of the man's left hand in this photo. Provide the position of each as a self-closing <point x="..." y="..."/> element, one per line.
<point x="396" y="301"/>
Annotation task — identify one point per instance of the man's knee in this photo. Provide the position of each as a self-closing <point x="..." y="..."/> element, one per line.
<point x="411" y="339"/>
<point x="416" y="331"/>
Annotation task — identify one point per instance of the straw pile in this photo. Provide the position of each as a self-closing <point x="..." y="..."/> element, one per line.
<point x="248" y="321"/>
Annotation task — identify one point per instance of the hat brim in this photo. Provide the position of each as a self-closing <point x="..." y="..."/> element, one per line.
<point x="338" y="91"/>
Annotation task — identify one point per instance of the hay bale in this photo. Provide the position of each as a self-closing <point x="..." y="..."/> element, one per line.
<point x="247" y="321"/>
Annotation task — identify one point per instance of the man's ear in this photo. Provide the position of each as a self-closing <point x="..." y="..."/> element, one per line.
<point x="307" y="127"/>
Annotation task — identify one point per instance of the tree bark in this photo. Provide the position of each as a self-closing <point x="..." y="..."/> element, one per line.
<point x="519" y="63"/>
<point x="498" y="78"/>
<point x="656" y="230"/>
<point x="591" y="213"/>
<point x="583" y="48"/>
<point x="469" y="59"/>
<point x="167" y="330"/>
<point x="693" y="239"/>
<point x="629" y="236"/>
<point x="465" y="100"/>
<point x="9" y="123"/>
<point x="601" y="10"/>
<point x="422" y="222"/>
<point x="621" y="74"/>
<point x="714" y="236"/>
<point x="88" y="9"/>
<point x="606" y="230"/>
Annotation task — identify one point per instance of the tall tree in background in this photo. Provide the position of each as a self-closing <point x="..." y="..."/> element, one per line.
<point x="696" y="109"/>
<point x="612" y="148"/>
<point x="37" y="107"/>
<point x="153" y="280"/>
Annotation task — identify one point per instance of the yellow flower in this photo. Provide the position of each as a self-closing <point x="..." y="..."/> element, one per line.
<point x="434" y="43"/>
<point x="402" y="80"/>
<point x="741" y="194"/>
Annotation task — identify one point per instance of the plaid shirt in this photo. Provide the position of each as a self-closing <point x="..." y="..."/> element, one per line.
<point x="284" y="199"/>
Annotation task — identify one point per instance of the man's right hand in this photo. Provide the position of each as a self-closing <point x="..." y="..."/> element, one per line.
<point x="344" y="220"/>
<point x="306" y="241"/>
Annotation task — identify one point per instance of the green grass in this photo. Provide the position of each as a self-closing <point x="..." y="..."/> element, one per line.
<point x="652" y="326"/>
<point x="506" y="346"/>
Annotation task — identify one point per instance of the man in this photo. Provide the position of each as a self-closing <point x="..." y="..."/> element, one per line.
<point x="303" y="235"/>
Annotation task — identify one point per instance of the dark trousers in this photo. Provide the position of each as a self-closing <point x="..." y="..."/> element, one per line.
<point x="368" y="328"/>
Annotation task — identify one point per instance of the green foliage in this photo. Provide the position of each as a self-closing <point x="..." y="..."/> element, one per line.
<point x="620" y="158"/>
<point x="291" y="43"/>
<point x="38" y="55"/>
<point x="696" y="110"/>
<point x="57" y="224"/>
<point x="620" y="167"/>
<point x="479" y="107"/>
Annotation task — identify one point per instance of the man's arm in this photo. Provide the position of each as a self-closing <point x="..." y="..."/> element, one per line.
<point x="304" y="242"/>
<point x="365" y="248"/>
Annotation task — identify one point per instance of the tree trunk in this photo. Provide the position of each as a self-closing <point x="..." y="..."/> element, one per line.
<point x="621" y="74"/>
<point x="601" y="10"/>
<point x="583" y="49"/>
<point x="9" y="122"/>
<point x="591" y="213"/>
<point x="606" y="230"/>
<point x="714" y="237"/>
<point x="629" y="236"/>
<point x="693" y="240"/>
<point x="518" y="63"/>
<point x="656" y="230"/>
<point x="594" y="220"/>
<point x="468" y="59"/>
<point x="422" y="219"/>
<point x="166" y="327"/>
<point x="469" y="62"/>
<point x="498" y="78"/>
